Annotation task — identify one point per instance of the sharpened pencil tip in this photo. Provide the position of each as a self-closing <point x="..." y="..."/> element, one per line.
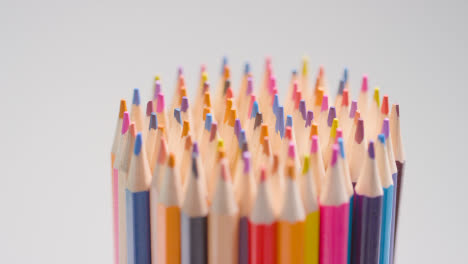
<point x="136" y="96"/>
<point x="263" y="175"/>
<point x="314" y="147"/>
<point x="160" y="103"/>
<point x="341" y="87"/>
<point x="291" y="150"/>
<point x="123" y="108"/>
<point x="353" y="109"/>
<point x="153" y="121"/>
<point x="341" y="145"/>
<point x="171" y="160"/>
<point x="125" y="122"/>
<point x="334" y="155"/>
<point x="138" y="143"/>
<point x="185" y="104"/>
<point x="331" y="116"/>
<point x="359" y="136"/>
<point x="324" y="103"/>
<point x="385" y="108"/>
<point x="386" y="127"/>
<point x="381" y="138"/>
<point x="208" y="121"/>
<point x="364" y="86"/>
<point x="149" y="108"/>
<point x="310" y="117"/>
<point x="291" y="170"/>
<point x="306" y="166"/>
<point x="371" y="149"/>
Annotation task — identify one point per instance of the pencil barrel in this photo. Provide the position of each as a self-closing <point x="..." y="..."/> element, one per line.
<point x="244" y="240"/>
<point x="366" y="229"/>
<point x="399" y="187"/>
<point x="138" y="228"/>
<point x="263" y="246"/>
<point x="334" y="234"/>
<point x="312" y="238"/>
<point x="386" y="225"/>
<point x="194" y="239"/>
<point x="291" y="242"/>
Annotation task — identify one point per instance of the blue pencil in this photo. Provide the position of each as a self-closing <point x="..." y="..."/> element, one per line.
<point x="137" y="205"/>
<point x="383" y="165"/>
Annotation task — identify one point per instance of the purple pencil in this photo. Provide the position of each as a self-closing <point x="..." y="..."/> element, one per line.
<point x="368" y="213"/>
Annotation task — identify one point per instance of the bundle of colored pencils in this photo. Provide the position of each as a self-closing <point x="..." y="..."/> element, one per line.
<point x="247" y="179"/>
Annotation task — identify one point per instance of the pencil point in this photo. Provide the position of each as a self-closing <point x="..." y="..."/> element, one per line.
<point x="302" y="109"/>
<point x="290" y="170"/>
<point x="305" y="65"/>
<point x="345" y="75"/>
<point x="188" y="142"/>
<point x="263" y="132"/>
<point x="153" y="121"/>
<point x="207" y="99"/>
<point x="385" y="107"/>
<point x="371" y="149"/>
<point x="381" y="138"/>
<point x="125" y="122"/>
<point x="247" y="68"/>
<point x="224" y="172"/>
<point x="237" y="127"/>
<point x="160" y="103"/>
<point x="334" y="155"/>
<point x="249" y="85"/>
<point x="229" y="93"/>
<point x="246" y="159"/>
<point x="258" y="120"/>
<point x="149" y="108"/>
<point x="310" y="117"/>
<point x="359" y="136"/>
<point x="291" y="150"/>
<point x="339" y="134"/>
<point x="314" y="130"/>
<point x="341" y="145"/>
<point x="331" y="115"/>
<point x="213" y="130"/>
<point x="132" y="129"/>
<point x="185" y="104"/>
<point x="341" y="87"/>
<point x="324" y="103"/>
<point x="364" y="86"/>
<point x="275" y="104"/>
<point x="289" y="121"/>
<point x="254" y="110"/>
<point x="242" y="138"/>
<point x="262" y="174"/>
<point x="177" y="115"/>
<point x="157" y="88"/>
<point x="194" y="166"/>
<point x="345" y="99"/>
<point x="185" y="128"/>
<point x="138" y="143"/>
<point x="288" y="133"/>
<point x="334" y="128"/>
<point x="353" y="109"/>
<point x="386" y="127"/>
<point x="123" y="108"/>
<point x="377" y="96"/>
<point x="136" y="96"/>
<point x="171" y="160"/>
<point x="208" y="121"/>
<point x="319" y="97"/>
<point x="314" y="148"/>
<point x="306" y="166"/>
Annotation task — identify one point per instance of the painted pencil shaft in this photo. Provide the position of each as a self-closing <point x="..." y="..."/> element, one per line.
<point x="263" y="243"/>
<point x="169" y="234"/>
<point x="244" y="240"/>
<point x="115" y="211"/>
<point x="398" y="187"/>
<point x="386" y="230"/>
<point x="392" y="232"/>
<point x="290" y="242"/>
<point x="223" y="232"/>
<point x="138" y="228"/>
<point x="312" y="238"/>
<point x="334" y="234"/>
<point x="194" y="239"/>
<point x="350" y="227"/>
<point x="366" y="229"/>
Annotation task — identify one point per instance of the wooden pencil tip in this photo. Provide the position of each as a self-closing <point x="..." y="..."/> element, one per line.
<point x="290" y="170"/>
<point x="263" y="174"/>
<point x="385" y="106"/>
<point x="133" y="130"/>
<point x="185" y="128"/>
<point x="188" y="143"/>
<point x="306" y="166"/>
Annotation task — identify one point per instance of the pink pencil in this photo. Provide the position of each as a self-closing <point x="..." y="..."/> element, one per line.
<point x="334" y="214"/>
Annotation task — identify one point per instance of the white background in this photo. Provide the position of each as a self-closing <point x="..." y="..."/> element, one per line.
<point x="64" y="66"/>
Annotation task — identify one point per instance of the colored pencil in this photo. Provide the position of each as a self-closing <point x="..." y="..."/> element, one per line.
<point x="137" y="204"/>
<point x="317" y="166"/>
<point x="262" y="225"/>
<point x="334" y="215"/>
<point x="115" y="152"/>
<point x="363" y="97"/>
<point x="367" y="213"/>
<point x="383" y="164"/>
<point x="123" y="165"/>
<point x="136" y="113"/>
<point x="312" y="211"/>
<point x="156" y="183"/>
<point x="245" y="194"/>
<point x="169" y="203"/>
<point x="194" y="219"/>
<point x="395" y="134"/>
<point x="291" y="222"/>
<point x="223" y="221"/>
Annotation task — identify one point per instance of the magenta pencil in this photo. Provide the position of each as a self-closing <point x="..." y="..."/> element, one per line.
<point x="334" y="214"/>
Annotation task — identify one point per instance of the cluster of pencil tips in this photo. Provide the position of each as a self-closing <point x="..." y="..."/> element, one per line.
<point x="239" y="176"/>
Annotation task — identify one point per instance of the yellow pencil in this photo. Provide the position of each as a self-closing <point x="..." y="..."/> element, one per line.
<point x="291" y="224"/>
